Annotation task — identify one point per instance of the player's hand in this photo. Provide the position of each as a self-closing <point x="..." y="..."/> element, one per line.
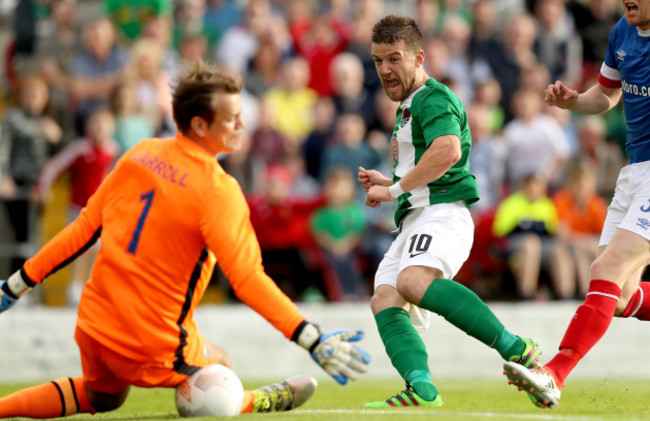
<point x="560" y="95"/>
<point x="378" y="194"/>
<point x="11" y="290"/>
<point x="334" y="352"/>
<point x="369" y="178"/>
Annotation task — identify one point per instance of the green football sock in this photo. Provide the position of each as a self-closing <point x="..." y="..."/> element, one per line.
<point x="464" y="309"/>
<point x="406" y="350"/>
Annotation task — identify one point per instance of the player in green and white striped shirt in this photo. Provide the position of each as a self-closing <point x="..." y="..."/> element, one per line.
<point x="434" y="189"/>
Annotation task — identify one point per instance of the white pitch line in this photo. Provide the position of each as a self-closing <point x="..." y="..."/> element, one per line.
<point x="455" y="414"/>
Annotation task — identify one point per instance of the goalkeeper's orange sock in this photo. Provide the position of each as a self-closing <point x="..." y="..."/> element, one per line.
<point x="58" y="398"/>
<point x="249" y="400"/>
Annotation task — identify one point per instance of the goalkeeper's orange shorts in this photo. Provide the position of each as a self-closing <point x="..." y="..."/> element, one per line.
<point x="106" y="371"/>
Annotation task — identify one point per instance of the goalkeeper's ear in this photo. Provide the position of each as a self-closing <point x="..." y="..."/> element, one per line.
<point x="306" y="335"/>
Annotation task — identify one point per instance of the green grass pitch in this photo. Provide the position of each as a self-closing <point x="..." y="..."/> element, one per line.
<point x="582" y="400"/>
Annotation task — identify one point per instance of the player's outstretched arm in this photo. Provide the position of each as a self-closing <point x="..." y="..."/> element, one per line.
<point x="12" y="289"/>
<point x="334" y="351"/>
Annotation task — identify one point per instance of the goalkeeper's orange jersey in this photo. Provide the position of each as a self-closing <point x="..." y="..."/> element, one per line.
<point x="165" y="214"/>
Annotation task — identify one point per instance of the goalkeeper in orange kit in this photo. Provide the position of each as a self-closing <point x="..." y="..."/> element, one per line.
<point x="166" y="214"/>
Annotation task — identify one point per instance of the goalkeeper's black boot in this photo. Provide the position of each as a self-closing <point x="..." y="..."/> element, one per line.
<point x="284" y="396"/>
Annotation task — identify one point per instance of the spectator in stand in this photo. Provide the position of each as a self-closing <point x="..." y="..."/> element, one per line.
<point x="449" y="8"/>
<point x="96" y="69"/>
<point x="159" y="30"/>
<point x="513" y="58"/>
<point x="604" y="157"/>
<point x="535" y="77"/>
<point x="189" y="21"/>
<point x="595" y="20"/>
<point x="324" y="115"/>
<point x="88" y="160"/>
<point x="359" y="45"/>
<point x="350" y="149"/>
<point x="372" y="9"/>
<point x="487" y="160"/>
<point x="465" y="70"/>
<point x="239" y="43"/>
<point x="529" y="219"/>
<point x="193" y="47"/>
<point x="264" y="68"/>
<point x="131" y="125"/>
<point x="304" y="185"/>
<point x="535" y="141"/>
<point x="29" y="24"/>
<point x="350" y="94"/>
<point x="293" y="101"/>
<point x="152" y="85"/>
<point x="318" y="40"/>
<point x="483" y="42"/>
<point x="488" y="93"/>
<point x="338" y="228"/>
<point x="381" y="230"/>
<point x="558" y="46"/>
<point x="437" y="55"/>
<point x="55" y="53"/>
<point x="28" y="137"/>
<point x="130" y="16"/>
<point x="268" y="145"/>
<point x="563" y="118"/>
<point x="386" y="109"/>
<point x="281" y="224"/>
<point x="581" y="213"/>
<point x="427" y="14"/>
<point x="221" y="15"/>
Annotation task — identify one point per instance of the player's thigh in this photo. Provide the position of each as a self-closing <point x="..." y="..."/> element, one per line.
<point x="625" y="239"/>
<point x="440" y="237"/>
<point x="626" y="254"/>
<point x="105" y="390"/>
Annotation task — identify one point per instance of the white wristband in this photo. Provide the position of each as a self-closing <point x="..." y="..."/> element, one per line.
<point x="17" y="285"/>
<point x="396" y="190"/>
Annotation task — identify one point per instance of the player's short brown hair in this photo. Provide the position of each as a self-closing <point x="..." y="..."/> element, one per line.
<point x="393" y="28"/>
<point x="193" y="93"/>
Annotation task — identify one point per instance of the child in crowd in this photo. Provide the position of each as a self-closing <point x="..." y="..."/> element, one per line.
<point x="528" y="219"/>
<point x="88" y="160"/>
<point x="28" y="137"/>
<point x="338" y="228"/>
<point x="131" y="125"/>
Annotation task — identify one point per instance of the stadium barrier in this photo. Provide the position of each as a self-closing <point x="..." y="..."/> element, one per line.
<point x="38" y="342"/>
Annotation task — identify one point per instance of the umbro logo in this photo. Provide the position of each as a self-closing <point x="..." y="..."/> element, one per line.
<point x="620" y="54"/>
<point x="643" y="223"/>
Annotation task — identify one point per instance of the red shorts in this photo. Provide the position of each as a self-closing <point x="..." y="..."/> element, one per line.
<point x="106" y="371"/>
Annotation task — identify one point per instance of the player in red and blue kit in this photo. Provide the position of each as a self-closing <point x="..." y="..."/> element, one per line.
<point x="624" y="249"/>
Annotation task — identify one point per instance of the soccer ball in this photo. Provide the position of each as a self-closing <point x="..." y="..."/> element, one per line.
<point x="214" y="390"/>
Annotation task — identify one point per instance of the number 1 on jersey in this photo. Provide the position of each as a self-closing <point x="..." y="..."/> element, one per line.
<point x="147" y="198"/>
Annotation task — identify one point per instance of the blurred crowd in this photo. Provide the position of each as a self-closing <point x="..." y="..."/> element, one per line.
<point x="81" y="88"/>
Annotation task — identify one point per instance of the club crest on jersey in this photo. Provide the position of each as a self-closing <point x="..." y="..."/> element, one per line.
<point x="620" y="54"/>
<point x="406" y="117"/>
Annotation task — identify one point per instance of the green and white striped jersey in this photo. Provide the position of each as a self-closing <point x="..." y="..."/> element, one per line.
<point x="429" y="112"/>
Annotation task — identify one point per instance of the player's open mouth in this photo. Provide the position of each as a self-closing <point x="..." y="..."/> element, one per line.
<point x="631" y="7"/>
<point x="392" y="84"/>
